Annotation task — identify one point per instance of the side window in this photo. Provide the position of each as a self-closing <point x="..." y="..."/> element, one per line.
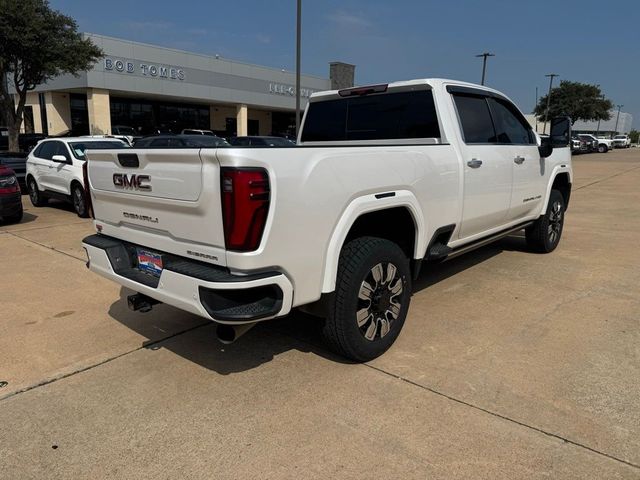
<point x="510" y="127"/>
<point x="475" y="118"/>
<point x="61" y="149"/>
<point x="46" y="150"/>
<point x="176" y="143"/>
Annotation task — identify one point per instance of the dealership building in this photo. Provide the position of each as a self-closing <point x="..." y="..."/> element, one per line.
<point x="155" y="89"/>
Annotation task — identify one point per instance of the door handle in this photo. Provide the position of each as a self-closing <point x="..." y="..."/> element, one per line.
<point x="474" y="163"/>
<point x="519" y="160"/>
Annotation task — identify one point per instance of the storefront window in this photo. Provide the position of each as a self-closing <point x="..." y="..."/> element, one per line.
<point x="148" y="117"/>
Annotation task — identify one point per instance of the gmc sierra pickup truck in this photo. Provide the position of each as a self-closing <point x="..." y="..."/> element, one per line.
<point x="384" y="179"/>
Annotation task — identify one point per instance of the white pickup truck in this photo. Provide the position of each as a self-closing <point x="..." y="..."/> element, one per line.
<point x="384" y="179"/>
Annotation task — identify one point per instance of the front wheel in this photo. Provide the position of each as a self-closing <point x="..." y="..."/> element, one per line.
<point x="373" y="291"/>
<point x="544" y="235"/>
<point x="602" y="149"/>
<point x="16" y="217"/>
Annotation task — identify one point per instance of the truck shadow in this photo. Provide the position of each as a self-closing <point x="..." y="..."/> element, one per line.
<point x="194" y="338"/>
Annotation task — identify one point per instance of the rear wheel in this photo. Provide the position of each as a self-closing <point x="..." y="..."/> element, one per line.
<point x="373" y="291"/>
<point x="544" y="235"/>
<point x="79" y="202"/>
<point x="37" y="199"/>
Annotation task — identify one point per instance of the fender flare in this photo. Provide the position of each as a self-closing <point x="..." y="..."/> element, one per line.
<point x="362" y="205"/>
<point x="558" y="169"/>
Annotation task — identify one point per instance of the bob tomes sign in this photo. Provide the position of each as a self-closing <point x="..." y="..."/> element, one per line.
<point x="282" y="89"/>
<point x="144" y="69"/>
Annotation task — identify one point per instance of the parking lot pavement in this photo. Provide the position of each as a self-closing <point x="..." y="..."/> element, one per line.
<point x="511" y="365"/>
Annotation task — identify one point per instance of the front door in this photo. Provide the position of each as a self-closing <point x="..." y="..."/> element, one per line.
<point x="487" y="169"/>
<point x="516" y="137"/>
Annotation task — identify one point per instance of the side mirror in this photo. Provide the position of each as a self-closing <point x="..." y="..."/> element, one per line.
<point x="546" y="147"/>
<point x="560" y="132"/>
<point x="59" y="158"/>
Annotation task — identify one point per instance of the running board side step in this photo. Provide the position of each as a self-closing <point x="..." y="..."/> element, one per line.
<point x="485" y="241"/>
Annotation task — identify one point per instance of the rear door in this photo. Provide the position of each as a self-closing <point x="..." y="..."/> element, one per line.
<point x="43" y="163"/>
<point x="487" y="169"/>
<point x="61" y="172"/>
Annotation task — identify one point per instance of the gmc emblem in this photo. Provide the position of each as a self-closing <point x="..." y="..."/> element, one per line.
<point x="133" y="181"/>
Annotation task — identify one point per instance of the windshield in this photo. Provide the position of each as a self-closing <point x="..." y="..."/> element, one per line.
<point x="78" y="148"/>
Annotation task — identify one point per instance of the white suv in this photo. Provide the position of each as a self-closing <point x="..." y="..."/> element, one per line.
<point x="54" y="169"/>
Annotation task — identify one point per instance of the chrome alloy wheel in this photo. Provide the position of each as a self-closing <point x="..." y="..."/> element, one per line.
<point x="33" y="191"/>
<point x="555" y="222"/>
<point x="379" y="301"/>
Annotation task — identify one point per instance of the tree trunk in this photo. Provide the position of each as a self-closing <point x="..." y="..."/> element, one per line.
<point x="14" y="132"/>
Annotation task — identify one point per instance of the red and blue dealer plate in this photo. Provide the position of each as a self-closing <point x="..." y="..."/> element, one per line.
<point x="149" y="262"/>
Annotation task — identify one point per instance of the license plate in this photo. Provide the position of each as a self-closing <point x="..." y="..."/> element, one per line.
<point x="149" y="262"/>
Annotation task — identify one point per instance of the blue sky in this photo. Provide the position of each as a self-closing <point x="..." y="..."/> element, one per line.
<point x="402" y="39"/>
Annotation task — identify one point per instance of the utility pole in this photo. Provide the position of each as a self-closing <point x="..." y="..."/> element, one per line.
<point x="484" y="63"/>
<point x="546" y="113"/>
<point x="598" y="131"/>
<point x="615" y="132"/>
<point x="298" y="38"/>
<point x="534" y="109"/>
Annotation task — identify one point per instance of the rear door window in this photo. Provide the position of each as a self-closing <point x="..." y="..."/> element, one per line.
<point x="475" y="118"/>
<point x="389" y="116"/>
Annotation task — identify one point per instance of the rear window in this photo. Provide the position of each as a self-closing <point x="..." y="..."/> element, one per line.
<point x="403" y="115"/>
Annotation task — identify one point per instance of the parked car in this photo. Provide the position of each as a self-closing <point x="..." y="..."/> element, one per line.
<point x="388" y="178"/>
<point x="579" y="145"/>
<point x="195" y="131"/>
<point x="125" y="133"/>
<point x="621" y="141"/>
<point x="600" y="145"/>
<point x="16" y="161"/>
<point x="10" y="196"/>
<point x="180" y="141"/>
<point x="604" y="141"/>
<point x="54" y="169"/>
<point x="258" y="141"/>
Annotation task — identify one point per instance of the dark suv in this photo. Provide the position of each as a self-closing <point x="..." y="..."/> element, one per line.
<point x="261" y="142"/>
<point x="180" y="141"/>
<point x="10" y="196"/>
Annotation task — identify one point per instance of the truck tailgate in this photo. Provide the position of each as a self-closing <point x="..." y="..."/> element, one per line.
<point x="156" y="198"/>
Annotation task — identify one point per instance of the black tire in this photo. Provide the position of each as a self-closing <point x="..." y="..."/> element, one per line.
<point x="16" y="217"/>
<point x="364" y="336"/>
<point x="602" y="149"/>
<point x="544" y="235"/>
<point x="37" y="199"/>
<point x="79" y="201"/>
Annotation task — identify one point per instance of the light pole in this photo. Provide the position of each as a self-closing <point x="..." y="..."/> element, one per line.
<point x="598" y="131"/>
<point x="615" y="130"/>
<point x="484" y="63"/>
<point x="298" y="32"/>
<point x="534" y="110"/>
<point x="546" y="113"/>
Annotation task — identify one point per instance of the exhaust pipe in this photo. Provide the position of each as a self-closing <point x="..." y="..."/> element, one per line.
<point x="230" y="333"/>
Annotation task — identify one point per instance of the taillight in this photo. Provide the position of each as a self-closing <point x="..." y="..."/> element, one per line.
<point x="245" y="205"/>
<point x="87" y="189"/>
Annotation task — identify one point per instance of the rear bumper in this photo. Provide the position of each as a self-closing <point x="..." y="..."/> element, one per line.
<point x="10" y="204"/>
<point x="206" y="290"/>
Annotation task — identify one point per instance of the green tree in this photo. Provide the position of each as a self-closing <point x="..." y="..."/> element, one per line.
<point x="633" y="135"/>
<point x="580" y="101"/>
<point x="36" y="44"/>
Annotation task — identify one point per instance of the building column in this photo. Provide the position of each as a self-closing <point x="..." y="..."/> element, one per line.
<point x="58" y="110"/>
<point x="241" y="119"/>
<point x="99" y="111"/>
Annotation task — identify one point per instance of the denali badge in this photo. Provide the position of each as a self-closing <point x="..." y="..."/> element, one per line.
<point x="144" y="218"/>
<point x="133" y="181"/>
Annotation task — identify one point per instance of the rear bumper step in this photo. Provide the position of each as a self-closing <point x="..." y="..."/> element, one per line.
<point x="207" y="290"/>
